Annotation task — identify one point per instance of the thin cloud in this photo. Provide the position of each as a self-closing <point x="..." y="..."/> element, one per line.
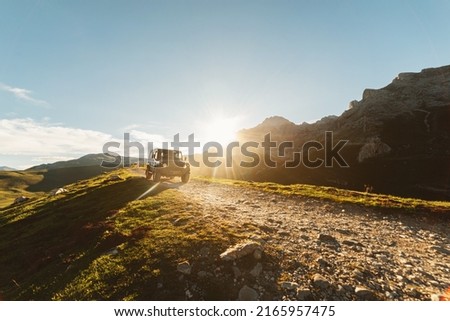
<point x="43" y="142"/>
<point x="27" y="137"/>
<point x="23" y="94"/>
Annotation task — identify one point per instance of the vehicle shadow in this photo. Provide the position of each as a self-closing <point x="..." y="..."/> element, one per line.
<point x="158" y="187"/>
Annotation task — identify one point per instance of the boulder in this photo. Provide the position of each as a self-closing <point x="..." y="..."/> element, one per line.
<point x="240" y="250"/>
<point x="246" y="293"/>
<point x="320" y="282"/>
<point x="21" y="199"/>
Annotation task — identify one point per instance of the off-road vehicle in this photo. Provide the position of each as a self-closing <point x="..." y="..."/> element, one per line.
<point x="167" y="163"/>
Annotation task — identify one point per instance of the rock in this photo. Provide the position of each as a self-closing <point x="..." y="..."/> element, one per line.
<point x="240" y="250"/>
<point x="283" y="233"/>
<point x="358" y="274"/>
<point x="203" y="274"/>
<point x="343" y="231"/>
<point x="383" y="258"/>
<point x="114" y="178"/>
<point x="246" y="293"/>
<point x="58" y="191"/>
<point x="237" y="273"/>
<point x="351" y="243"/>
<point x="327" y="239"/>
<point x="322" y="262"/>
<point x="21" y="199"/>
<point x="204" y="251"/>
<point x="440" y="249"/>
<point x="304" y="294"/>
<point x="257" y="254"/>
<point x="304" y="237"/>
<point x="182" y="220"/>
<point x="113" y="251"/>
<point x="320" y="281"/>
<point x="256" y="271"/>
<point x="364" y="294"/>
<point x="373" y="148"/>
<point x="184" y="267"/>
<point x="289" y="285"/>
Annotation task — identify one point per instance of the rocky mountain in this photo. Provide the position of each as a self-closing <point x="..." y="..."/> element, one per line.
<point x="398" y="139"/>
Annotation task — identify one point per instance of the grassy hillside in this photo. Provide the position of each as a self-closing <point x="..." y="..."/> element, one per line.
<point x="35" y="183"/>
<point x="14" y="184"/>
<point x="64" y="247"/>
<point x="101" y="240"/>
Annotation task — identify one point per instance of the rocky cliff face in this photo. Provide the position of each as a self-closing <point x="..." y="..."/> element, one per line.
<point x="398" y="139"/>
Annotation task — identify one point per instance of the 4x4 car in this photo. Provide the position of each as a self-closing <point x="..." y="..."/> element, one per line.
<point x="167" y="163"/>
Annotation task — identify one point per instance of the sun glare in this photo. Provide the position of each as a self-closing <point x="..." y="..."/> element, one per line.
<point x="221" y="130"/>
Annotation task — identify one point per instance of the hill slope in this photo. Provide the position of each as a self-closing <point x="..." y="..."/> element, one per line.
<point x="34" y="183"/>
<point x="129" y="239"/>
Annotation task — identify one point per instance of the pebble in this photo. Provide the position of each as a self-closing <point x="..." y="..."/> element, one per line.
<point x="184" y="267"/>
<point x="323" y="263"/>
<point x="304" y="294"/>
<point x="352" y="243"/>
<point x="256" y="271"/>
<point x="320" y="281"/>
<point x="440" y="249"/>
<point x="327" y="238"/>
<point x="237" y="273"/>
<point x="364" y="294"/>
<point x="257" y="254"/>
<point x="289" y="285"/>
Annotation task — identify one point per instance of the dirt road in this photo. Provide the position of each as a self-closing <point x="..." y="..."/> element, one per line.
<point x="328" y="250"/>
<point x="335" y="251"/>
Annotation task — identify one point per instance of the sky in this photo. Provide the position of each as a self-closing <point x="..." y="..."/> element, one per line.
<point x="77" y="74"/>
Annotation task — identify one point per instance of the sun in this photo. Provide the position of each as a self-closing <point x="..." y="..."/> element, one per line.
<point x="221" y="129"/>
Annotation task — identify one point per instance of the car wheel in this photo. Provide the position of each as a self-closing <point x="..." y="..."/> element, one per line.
<point x="185" y="177"/>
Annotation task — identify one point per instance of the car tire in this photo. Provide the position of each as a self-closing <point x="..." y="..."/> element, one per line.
<point x="185" y="177"/>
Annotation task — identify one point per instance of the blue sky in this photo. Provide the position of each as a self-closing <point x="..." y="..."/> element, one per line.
<point x="75" y="74"/>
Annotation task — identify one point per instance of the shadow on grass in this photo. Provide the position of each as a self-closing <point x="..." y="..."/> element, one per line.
<point x="41" y="246"/>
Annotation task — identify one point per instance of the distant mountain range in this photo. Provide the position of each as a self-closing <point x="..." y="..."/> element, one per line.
<point x="87" y="160"/>
<point x="398" y="140"/>
<point x="6" y="168"/>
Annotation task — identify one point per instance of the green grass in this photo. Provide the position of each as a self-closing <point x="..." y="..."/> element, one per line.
<point x="340" y="195"/>
<point x="97" y="242"/>
<point x="14" y="184"/>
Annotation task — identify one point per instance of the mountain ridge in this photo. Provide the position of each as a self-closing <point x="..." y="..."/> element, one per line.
<point x="398" y="139"/>
<point x="7" y="168"/>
